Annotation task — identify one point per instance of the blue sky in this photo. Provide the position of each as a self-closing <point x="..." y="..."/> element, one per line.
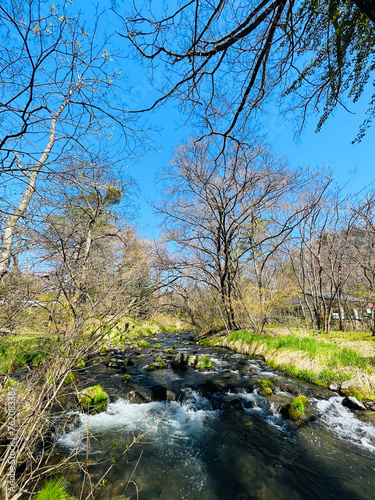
<point x="352" y="164"/>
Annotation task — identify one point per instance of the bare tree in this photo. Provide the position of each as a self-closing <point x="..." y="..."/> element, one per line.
<point x="59" y="97"/>
<point x="214" y="206"/>
<point x="362" y="251"/>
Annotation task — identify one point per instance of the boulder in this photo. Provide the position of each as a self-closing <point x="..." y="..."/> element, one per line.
<point x="348" y="386"/>
<point x="334" y="387"/>
<point x="138" y="397"/>
<point x="180" y="360"/>
<point x="296" y="409"/>
<point x="93" y="399"/>
<point x="353" y="404"/>
<point x="161" y="393"/>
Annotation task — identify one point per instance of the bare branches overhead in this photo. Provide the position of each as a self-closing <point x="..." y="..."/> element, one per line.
<point x="224" y="59"/>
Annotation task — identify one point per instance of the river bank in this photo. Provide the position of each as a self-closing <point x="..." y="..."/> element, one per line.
<point x="323" y="359"/>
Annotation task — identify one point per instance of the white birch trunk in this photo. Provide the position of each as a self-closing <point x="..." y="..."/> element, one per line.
<point x="12" y="220"/>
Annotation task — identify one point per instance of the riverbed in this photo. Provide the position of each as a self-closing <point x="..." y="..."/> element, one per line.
<point x="211" y="435"/>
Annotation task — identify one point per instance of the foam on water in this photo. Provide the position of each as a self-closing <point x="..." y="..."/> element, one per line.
<point x="173" y="419"/>
<point x="344" y="423"/>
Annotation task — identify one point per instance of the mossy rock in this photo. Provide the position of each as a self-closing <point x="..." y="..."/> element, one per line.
<point x="93" y="400"/>
<point x="265" y="386"/>
<point x="158" y="364"/>
<point x="126" y="377"/>
<point x="203" y="363"/>
<point x="144" y="344"/>
<point x="71" y="377"/>
<point x="304" y="400"/>
<point x="296" y="409"/>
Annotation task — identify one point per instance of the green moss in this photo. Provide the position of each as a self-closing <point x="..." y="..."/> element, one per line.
<point x="157" y="346"/>
<point x="144" y="344"/>
<point x="353" y="392"/>
<point x="81" y="364"/>
<point x="126" y="378"/>
<point x="54" y="489"/>
<point x="265" y="386"/>
<point x="94" y="399"/>
<point x="203" y="363"/>
<point x="296" y="409"/>
<point x="304" y="400"/>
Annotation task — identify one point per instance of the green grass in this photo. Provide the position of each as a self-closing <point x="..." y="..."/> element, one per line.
<point x="20" y="351"/>
<point x="54" y="489"/>
<point x="332" y="353"/>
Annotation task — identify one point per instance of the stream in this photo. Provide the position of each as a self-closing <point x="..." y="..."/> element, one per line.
<point x="219" y="438"/>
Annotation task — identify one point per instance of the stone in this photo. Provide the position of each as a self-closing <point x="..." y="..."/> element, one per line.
<point x="348" y="386"/>
<point x="234" y="401"/>
<point x="288" y="388"/>
<point x="296" y="409"/>
<point x="161" y="393"/>
<point x="334" y="387"/>
<point x="138" y="398"/>
<point x="353" y="404"/>
<point x="180" y="360"/>
<point x="192" y="360"/>
<point x="93" y="399"/>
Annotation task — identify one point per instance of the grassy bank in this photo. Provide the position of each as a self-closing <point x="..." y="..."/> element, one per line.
<point x="319" y="358"/>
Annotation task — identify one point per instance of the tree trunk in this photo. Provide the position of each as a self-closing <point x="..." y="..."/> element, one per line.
<point x="12" y="220"/>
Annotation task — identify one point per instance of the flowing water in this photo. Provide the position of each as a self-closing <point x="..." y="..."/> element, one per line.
<point x="220" y="439"/>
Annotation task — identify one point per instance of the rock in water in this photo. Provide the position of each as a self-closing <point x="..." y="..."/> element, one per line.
<point x="93" y="399"/>
<point x="180" y="360"/>
<point x="353" y="403"/>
